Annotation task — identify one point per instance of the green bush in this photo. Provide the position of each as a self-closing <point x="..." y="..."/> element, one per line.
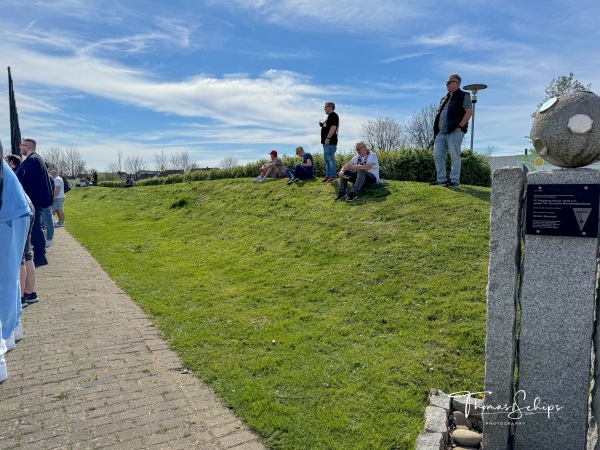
<point x="407" y="164"/>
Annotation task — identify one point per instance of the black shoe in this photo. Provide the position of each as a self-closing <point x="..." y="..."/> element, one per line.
<point x="24" y="304"/>
<point x="452" y="184"/>
<point x="40" y="262"/>
<point x="438" y="183"/>
<point x="352" y="197"/>
<point x="340" y="196"/>
<point x="30" y="299"/>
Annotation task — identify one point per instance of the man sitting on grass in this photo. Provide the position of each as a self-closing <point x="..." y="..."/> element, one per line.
<point x="128" y="183"/>
<point x="304" y="170"/>
<point x="362" y="171"/>
<point x="274" y="169"/>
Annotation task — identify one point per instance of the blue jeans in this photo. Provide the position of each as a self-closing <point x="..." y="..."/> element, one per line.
<point x="38" y="240"/>
<point x="48" y="222"/>
<point x="445" y="142"/>
<point x="330" y="167"/>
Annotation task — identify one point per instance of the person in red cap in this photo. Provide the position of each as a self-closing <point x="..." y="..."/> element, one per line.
<point x="273" y="169"/>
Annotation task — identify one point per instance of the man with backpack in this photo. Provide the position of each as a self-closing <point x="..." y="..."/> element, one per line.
<point x="59" y="198"/>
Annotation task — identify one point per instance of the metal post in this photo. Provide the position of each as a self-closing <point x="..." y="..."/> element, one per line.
<point x="474" y="88"/>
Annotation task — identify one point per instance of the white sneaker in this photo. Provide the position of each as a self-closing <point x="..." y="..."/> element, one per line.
<point x="48" y="243"/>
<point x="10" y="342"/>
<point x="262" y="179"/>
<point x="18" y="332"/>
<point x="3" y="373"/>
<point x="257" y="179"/>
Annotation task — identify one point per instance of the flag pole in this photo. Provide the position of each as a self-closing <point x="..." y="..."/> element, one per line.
<point x="15" y="130"/>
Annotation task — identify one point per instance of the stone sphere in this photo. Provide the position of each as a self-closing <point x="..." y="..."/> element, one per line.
<point x="566" y="130"/>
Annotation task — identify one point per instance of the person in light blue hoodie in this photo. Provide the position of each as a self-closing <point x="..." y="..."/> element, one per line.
<point x="14" y="226"/>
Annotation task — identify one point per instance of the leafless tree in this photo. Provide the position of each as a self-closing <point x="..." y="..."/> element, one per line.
<point x="112" y="167"/>
<point x="74" y="163"/>
<point x="383" y="133"/>
<point x="181" y="161"/>
<point x="134" y="165"/>
<point x="229" y="162"/>
<point x="55" y="158"/>
<point x="161" y="161"/>
<point x="420" y="127"/>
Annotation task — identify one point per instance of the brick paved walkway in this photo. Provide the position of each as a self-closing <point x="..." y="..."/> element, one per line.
<point x="92" y="372"/>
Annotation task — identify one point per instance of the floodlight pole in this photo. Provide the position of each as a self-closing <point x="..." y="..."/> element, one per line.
<point x="474" y="88"/>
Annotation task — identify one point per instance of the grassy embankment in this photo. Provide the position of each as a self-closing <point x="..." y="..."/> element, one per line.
<point x="323" y="324"/>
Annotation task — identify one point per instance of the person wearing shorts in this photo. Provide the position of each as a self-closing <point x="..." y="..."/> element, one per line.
<point x="59" y="198"/>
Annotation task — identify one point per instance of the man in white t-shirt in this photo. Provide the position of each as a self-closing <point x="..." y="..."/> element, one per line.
<point x="59" y="198"/>
<point x="362" y="170"/>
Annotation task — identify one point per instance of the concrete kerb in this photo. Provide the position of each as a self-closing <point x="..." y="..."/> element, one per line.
<point x="92" y="371"/>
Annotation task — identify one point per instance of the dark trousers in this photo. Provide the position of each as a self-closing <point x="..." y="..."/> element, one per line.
<point x="302" y="173"/>
<point x="38" y="240"/>
<point x="359" y="178"/>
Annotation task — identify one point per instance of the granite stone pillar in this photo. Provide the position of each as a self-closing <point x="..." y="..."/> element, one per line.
<point x="557" y="324"/>
<point x="502" y="291"/>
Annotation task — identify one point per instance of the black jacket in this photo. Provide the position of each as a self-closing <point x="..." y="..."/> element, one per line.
<point x="456" y="112"/>
<point x="36" y="181"/>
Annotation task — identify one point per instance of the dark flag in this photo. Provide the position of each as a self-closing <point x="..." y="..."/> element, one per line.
<point x="15" y="130"/>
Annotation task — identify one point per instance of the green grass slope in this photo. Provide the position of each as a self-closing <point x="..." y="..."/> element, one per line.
<point x="323" y="324"/>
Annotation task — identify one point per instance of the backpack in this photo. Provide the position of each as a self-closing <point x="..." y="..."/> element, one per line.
<point x="67" y="186"/>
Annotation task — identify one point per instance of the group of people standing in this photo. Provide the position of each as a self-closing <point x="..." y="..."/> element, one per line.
<point x="28" y="195"/>
<point x="450" y="126"/>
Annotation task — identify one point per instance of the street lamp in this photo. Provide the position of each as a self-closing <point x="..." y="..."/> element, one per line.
<point x="474" y="88"/>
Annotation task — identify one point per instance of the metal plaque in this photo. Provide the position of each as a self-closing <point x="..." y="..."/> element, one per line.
<point x="562" y="210"/>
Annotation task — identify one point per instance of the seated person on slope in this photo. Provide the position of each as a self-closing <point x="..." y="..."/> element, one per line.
<point x="362" y="171"/>
<point x="273" y="169"/>
<point x="304" y="170"/>
<point x="129" y="182"/>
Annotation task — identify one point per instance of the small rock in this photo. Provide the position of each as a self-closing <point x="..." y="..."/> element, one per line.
<point x="461" y="419"/>
<point x="471" y="406"/>
<point x="466" y="437"/>
<point x="462" y="427"/>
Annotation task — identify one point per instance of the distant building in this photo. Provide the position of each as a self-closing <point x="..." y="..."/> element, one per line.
<point x="166" y="173"/>
<point x="532" y="162"/>
<point x="145" y="174"/>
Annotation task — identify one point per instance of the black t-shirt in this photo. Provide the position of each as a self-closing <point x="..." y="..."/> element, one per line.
<point x="332" y="119"/>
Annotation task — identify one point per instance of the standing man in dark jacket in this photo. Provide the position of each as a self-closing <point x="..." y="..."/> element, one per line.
<point x="450" y="126"/>
<point x="39" y="186"/>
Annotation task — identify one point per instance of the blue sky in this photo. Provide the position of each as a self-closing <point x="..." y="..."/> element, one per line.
<point x="241" y="77"/>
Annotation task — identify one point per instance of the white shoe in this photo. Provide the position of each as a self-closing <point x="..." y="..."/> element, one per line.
<point x="262" y="179"/>
<point x="3" y="373"/>
<point x="18" y="332"/>
<point x="257" y="179"/>
<point x="48" y="243"/>
<point x="10" y="342"/>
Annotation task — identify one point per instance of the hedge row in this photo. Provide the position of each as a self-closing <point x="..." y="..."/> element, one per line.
<point x="408" y="164"/>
